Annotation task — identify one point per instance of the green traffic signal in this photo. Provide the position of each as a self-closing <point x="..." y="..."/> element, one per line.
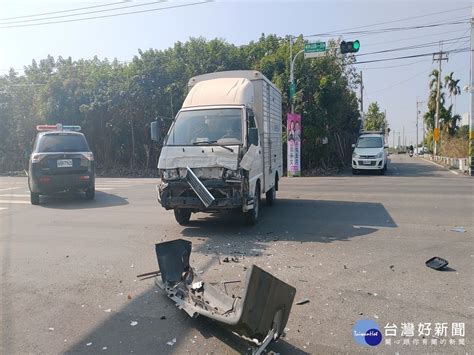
<point x="350" y="46"/>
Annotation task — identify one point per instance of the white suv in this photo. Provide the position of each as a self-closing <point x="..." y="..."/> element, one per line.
<point x="370" y="153"/>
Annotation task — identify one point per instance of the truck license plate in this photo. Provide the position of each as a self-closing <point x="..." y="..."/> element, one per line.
<point x="366" y="162"/>
<point x="65" y="163"/>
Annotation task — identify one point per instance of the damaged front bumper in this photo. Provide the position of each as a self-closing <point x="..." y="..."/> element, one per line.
<point x="201" y="195"/>
<point x="260" y="316"/>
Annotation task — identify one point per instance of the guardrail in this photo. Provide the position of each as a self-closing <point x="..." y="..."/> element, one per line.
<point x="456" y="163"/>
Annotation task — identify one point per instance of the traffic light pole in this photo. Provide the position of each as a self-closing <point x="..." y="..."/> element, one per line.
<point x="440" y="58"/>
<point x="292" y="76"/>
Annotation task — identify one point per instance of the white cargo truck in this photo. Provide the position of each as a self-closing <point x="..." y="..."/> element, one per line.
<point x="224" y="148"/>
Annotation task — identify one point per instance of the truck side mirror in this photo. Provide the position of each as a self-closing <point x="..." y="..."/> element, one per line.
<point x="353" y="146"/>
<point x="155" y="131"/>
<point x="253" y="136"/>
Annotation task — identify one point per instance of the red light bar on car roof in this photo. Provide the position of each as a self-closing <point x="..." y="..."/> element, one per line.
<point x="57" y="127"/>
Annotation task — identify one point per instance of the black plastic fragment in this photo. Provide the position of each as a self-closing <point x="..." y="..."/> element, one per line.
<point x="437" y="263"/>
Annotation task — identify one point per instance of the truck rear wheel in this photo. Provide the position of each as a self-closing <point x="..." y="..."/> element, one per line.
<point x="182" y="215"/>
<point x="270" y="196"/>
<point x="251" y="216"/>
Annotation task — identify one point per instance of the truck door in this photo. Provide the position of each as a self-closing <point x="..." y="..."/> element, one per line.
<point x="256" y="170"/>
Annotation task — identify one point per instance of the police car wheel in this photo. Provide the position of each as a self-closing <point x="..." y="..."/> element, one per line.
<point x="90" y="193"/>
<point x="34" y="198"/>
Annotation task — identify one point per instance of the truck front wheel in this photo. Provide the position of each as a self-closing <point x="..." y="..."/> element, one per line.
<point x="182" y="215"/>
<point x="251" y="216"/>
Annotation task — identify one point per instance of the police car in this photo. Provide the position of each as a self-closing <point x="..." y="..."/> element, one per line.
<point x="61" y="160"/>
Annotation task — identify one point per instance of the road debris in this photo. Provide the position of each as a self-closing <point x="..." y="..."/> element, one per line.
<point x="107" y="310"/>
<point x="88" y="344"/>
<point x="458" y="229"/>
<point x="303" y="301"/>
<point x="172" y="342"/>
<point x="392" y="267"/>
<point x="129" y="297"/>
<point x="104" y="348"/>
<point x="133" y="323"/>
<point x="233" y="259"/>
<point x="259" y="316"/>
<point x="51" y="329"/>
<point x="437" y="263"/>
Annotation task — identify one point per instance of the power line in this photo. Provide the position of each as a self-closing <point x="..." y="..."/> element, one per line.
<point x="85" y="13"/>
<point x="60" y="12"/>
<point x="397" y="66"/>
<point x="415" y="46"/>
<point x="411" y="56"/>
<point x="107" y="16"/>
<point x="392" y="29"/>
<point x="414" y="37"/>
<point x="398" y="20"/>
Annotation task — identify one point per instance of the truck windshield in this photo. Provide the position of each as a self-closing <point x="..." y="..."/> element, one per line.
<point x="214" y="126"/>
<point x="369" y="142"/>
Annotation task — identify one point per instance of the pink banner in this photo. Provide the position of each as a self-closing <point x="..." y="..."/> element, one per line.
<point x="293" y="133"/>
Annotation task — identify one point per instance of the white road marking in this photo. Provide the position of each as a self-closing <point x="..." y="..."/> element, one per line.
<point x="455" y="173"/>
<point x="10" y="188"/>
<point x="104" y="188"/>
<point x="15" y="195"/>
<point x="14" y="201"/>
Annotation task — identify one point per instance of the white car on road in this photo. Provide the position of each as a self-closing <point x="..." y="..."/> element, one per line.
<point x="370" y="153"/>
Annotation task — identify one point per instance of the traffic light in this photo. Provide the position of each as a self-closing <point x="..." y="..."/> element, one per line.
<point x="350" y="46"/>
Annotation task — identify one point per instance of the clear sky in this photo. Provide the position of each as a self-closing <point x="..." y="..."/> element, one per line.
<point x="396" y="88"/>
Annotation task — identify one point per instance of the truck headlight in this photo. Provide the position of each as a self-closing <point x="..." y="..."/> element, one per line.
<point x="379" y="155"/>
<point x="170" y="174"/>
<point x="231" y="174"/>
<point x="355" y="155"/>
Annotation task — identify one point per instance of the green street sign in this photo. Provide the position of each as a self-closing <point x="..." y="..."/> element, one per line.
<point x="315" y="47"/>
<point x="292" y="90"/>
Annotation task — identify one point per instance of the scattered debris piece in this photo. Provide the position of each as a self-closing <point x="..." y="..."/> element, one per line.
<point x="345" y="267"/>
<point x="392" y="267"/>
<point x="437" y="263"/>
<point x="104" y="348"/>
<point x="88" y="344"/>
<point x="197" y="285"/>
<point x="107" y="310"/>
<point x="458" y="229"/>
<point x="51" y="329"/>
<point x="132" y="266"/>
<point x="303" y="301"/>
<point x="259" y="316"/>
<point x="129" y="297"/>
<point x="163" y="317"/>
<point x="133" y="323"/>
<point x="172" y="342"/>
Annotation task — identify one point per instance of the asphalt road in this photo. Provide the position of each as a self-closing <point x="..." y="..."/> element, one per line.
<point x="355" y="246"/>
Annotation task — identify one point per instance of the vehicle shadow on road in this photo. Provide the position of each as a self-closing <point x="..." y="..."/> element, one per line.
<point x="75" y="201"/>
<point x="159" y="322"/>
<point x="291" y="220"/>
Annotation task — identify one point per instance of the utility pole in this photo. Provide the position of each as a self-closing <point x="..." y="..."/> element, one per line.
<point x="417" y="118"/>
<point x="393" y="139"/>
<point x="398" y="148"/>
<point x="471" y="116"/>
<point x="361" y="94"/>
<point x="439" y="57"/>
<point x="403" y="138"/>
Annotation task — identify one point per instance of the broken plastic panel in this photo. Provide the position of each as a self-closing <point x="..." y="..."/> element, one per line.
<point x="437" y="263"/>
<point x="260" y="316"/>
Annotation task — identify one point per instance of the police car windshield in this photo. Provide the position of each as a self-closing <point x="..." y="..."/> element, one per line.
<point x="62" y="142"/>
<point x="369" y="142"/>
